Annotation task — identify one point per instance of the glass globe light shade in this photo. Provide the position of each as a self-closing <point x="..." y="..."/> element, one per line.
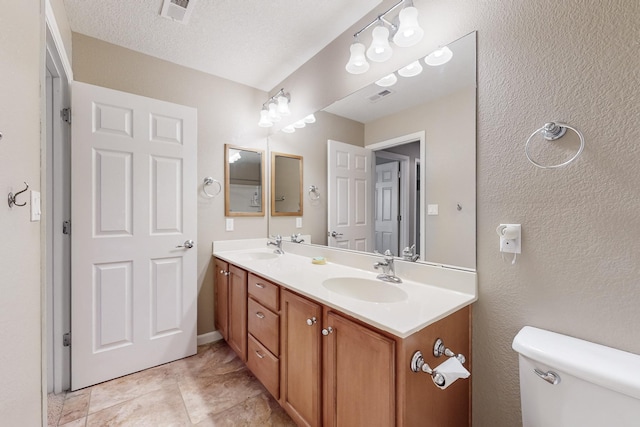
<point x="310" y="119"/>
<point x="273" y="113"/>
<point x="409" y="32"/>
<point x="283" y="106"/>
<point x="439" y="57"/>
<point x="411" y="70"/>
<point x="357" y="62"/>
<point x="387" y="81"/>
<point x="264" y="119"/>
<point x="288" y="129"/>
<point x="299" y="124"/>
<point x="380" y="49"/>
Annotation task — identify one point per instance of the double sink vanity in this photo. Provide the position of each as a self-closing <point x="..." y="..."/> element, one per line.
<point x="333" y="343"/>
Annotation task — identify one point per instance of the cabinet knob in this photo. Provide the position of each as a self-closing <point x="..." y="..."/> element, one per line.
<point x="312" y="321"/>
<point x="327" y="331"/>
<point x="226" y="273"/>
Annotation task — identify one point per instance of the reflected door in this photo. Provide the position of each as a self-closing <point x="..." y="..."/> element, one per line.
<point x="133" y="203"/>
<point x="350" y="205"/>
<point x="387" y="200"/>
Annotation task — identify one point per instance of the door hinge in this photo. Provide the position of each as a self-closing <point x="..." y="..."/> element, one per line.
<point x="399" y="217"/>
<point x="65" y="113"/>
<point x="399" y="176"/>
<point x="66" y="339"/>
<point x="66" y="227"/>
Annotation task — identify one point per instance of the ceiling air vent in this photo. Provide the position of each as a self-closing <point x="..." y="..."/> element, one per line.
<point x="378" y="96"/>
<point x="177" y="10"/>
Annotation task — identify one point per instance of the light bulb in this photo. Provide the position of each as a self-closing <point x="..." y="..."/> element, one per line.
<point x="387" y="81"/>
<point x="264" y="119"/>
<point x="288" y="129"/>
<point x="310" y="119"/>
<point x="409" y="32"/>
<point x="380" y="49"/>
<point x="411" y="70"/>
<point x="273" y="113"/>
<point x="283" y="106"/>
<point x="357" y="62"/>
<point x="439" y="57"/>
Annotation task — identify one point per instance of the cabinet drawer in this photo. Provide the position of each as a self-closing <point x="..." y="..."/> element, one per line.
<point x="264" y="365"/>
<point x="265" y="292"/>
<point x="264" y="326"/>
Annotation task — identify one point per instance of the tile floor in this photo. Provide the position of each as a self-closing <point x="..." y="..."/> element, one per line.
<point x="211" y="388"/>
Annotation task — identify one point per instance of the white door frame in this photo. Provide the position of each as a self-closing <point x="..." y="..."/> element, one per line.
<point x="417" y="226"/>
<point x="419" y="136"/>
<point x="57" y="188"/>
<point x="403" y="228"/>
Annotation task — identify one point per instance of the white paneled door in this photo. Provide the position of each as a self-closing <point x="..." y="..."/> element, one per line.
<point x="387" y="199"/>
<point x="133" y="205"/>
<point x="349" y="195"/>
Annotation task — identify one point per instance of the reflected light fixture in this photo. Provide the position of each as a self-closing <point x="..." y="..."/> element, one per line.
<point x="274" y="109"/>
<point x="235" y="156"/>
<point x="408" y="33"/>
<point x="411" y="70"/>
<point x="299" y="124"/>
<point x="288" y="129"/>
<point x="310" y="118"/>
<point x="387" y="81"/>
<point x="439" y="57"/>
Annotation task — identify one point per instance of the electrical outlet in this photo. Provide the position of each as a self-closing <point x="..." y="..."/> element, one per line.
<point x="510" y="238"/>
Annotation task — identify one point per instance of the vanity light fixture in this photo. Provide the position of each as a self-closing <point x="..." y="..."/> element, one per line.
<point x="235" y="156"/>
<point x="274" y="109"/>
<point x="387" y="81"/>
<point x="408" y="33"/>
<point x="299" y="124"/>
<point x="439" y="57"/>
<point x="411" y="70"/>
<point x="288" y="129"/>
<point x="310" y="119"/>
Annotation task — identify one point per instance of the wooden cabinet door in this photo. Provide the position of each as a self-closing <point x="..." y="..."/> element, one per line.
<point x="359" y="377"/>
<point x="221" y="297"/>
<point x="238" y="311"/>
<point x="300" y="359"/>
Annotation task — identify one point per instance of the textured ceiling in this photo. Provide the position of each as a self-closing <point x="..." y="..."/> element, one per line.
<point x="254" y="42"/>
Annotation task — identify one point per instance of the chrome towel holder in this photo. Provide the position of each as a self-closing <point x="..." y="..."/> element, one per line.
<point x="552" y="131"/>
<point x="210" y="181"/>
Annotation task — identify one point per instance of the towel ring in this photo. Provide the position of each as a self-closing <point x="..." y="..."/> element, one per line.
<point x="551" y="132"/>
<point x="314" y="193"/>
<point x="209" y="181"/>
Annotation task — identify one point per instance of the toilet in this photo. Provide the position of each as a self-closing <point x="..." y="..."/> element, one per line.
<point x="568" y="382"/>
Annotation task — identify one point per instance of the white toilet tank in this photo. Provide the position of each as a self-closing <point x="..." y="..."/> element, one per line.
<point x="596" y="385"/>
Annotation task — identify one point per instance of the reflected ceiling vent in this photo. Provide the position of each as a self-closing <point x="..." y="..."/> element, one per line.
<point x="378" y="96"/>
<point x="177" y="10"/>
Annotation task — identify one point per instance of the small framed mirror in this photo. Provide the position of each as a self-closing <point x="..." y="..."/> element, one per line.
<point x="243" y="181"/>
<point x="286" y="185"/>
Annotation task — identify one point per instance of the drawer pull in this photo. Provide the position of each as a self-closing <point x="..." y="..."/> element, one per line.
<point x="259" y="355"/>
<point x="260" y="315"/>
<point x="259" y="285"/>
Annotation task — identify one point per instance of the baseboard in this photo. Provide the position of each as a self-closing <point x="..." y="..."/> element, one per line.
<point x="209" y="337"/>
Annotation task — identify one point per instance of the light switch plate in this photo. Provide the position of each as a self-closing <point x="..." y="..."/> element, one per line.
<point x="432" y="209"/>
<point x="298" y="222"/>
<point x="229" y="224"/>
<point x="35" y="206"/>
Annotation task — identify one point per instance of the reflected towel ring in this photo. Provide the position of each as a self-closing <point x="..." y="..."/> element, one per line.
<point x="551" y="132"/>
<point x="209" y="181"/>
<point x="314" y="193"/>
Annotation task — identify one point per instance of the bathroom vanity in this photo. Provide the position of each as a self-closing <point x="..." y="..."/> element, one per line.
<point x="335" y="357"/>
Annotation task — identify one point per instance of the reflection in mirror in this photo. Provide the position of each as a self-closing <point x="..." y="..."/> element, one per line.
<point x="286" y="184"/>
<point x="434" y="113"/>
<point x="243" y="181"/>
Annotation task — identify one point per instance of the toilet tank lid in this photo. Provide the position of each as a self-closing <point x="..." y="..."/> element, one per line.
<point x="604" y="366"/>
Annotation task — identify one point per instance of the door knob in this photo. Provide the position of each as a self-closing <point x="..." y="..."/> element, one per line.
<point x="188" y="244"/>
<point x="335" y="234"/>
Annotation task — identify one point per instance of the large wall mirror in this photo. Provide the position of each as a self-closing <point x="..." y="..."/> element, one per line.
<point x="418" y="136"/>
<point x="243" y="181"/>
<point x="286" y="184"/>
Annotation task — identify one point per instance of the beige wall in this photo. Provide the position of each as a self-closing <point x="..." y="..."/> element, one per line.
<point x="21" y="68"/>
<point x="537" y="61"/>
<point x="311" y="143"/>
<point x="450" y="168"/>
<point x="227" y="114"/>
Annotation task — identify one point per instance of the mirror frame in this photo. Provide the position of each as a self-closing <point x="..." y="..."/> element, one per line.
<point x="227" y="181"/>
<point x="273" y="184"/>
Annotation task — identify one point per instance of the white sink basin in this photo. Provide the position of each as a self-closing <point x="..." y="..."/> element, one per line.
<point x="254" y="256"/>
<point x="365" y="289"/>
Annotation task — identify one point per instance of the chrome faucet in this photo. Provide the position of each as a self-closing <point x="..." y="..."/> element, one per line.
<point x="409" y="253"/>
<point x="297" y="238"/>
<point x="388" y="268"/>
<point x="277" y="242"/>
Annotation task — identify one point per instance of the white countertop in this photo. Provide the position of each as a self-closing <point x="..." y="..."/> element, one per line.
<point x="434" y="292"/>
